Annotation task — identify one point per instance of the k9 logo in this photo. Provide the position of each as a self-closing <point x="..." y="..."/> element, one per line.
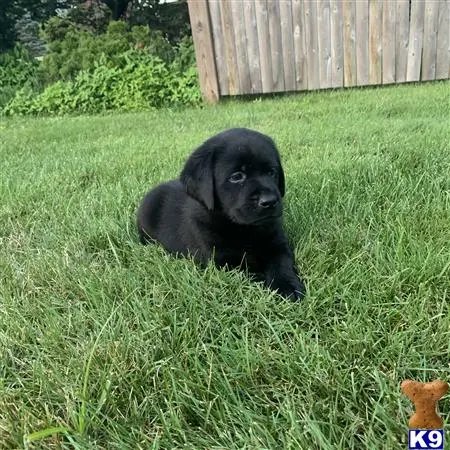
<point x="426" y="439"/>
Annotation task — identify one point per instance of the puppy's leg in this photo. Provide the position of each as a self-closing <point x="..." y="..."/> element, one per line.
<point x="282" y="276"/>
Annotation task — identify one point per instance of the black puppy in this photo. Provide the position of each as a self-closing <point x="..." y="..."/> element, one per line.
<point x="226" y="205"/>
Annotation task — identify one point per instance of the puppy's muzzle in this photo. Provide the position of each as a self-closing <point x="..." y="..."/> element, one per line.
<point x="268" y="201"/>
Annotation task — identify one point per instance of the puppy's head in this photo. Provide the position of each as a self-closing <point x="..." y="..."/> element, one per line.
<point x="239" y="173"/>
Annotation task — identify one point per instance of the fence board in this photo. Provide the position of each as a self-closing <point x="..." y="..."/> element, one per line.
<point x="324" y="38"/>
<point x="389" y="41"/>
<point x="240" y="41"/>
<point x="219" y="47"/>
<point x="204" y="50"/>
<point x="430" y="40"/>
<point x="230" y="51"/>
<point x="415" y="41"/>
<point x="349" y="43"/>
<point x="362" y="38"/>
<point x="337" y="48"/>
<point x="375" y="41"/>
<point x="298" y="24"/>
<point x="401" y="38"/>
<point x="252" y="46"/>
<point x="312" y="44"/>
<point x="262" y="24"/>
<point x="276" y="48"/>
<point x="287" y="43"/>
<point x="443" y="41"/>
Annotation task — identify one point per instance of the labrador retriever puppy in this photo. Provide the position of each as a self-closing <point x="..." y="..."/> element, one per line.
<point x="226" y="206"/>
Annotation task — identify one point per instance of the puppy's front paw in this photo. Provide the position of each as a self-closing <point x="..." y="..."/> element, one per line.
<point x="292" y="289"/>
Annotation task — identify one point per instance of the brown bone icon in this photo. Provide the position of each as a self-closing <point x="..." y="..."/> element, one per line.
<point x="425" y="397"/>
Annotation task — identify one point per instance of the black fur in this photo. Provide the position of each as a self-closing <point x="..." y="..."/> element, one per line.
<point x="226" y="205"/>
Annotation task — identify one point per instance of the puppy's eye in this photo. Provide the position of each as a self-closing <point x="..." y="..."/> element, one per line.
<point x="237" y="177"/>
<point x="272" y="173"/>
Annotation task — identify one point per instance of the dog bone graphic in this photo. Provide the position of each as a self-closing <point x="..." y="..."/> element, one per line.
<point x="425" y="397"/>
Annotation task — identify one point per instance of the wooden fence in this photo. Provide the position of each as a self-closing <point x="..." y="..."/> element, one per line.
<point x="262" y="46"/>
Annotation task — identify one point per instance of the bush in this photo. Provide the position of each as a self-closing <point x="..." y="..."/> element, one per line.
<point x="185" y="88"/>
<point x="138" y="82"/>
<point x="71" y="50"/>
<point x="184" y="58"/>
<point x="17" y="69"/>
<point x="125" y="69"/>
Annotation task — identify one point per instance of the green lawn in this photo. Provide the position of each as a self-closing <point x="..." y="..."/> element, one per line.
<point x="121" y="346"/>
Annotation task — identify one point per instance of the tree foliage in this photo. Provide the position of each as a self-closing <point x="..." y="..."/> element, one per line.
<point x="14" y="10"/>
<point x="170" y="19"/>
<point x="27" y="31"/>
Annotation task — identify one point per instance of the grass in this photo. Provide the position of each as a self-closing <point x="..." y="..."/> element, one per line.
<point x="108" y="344"/>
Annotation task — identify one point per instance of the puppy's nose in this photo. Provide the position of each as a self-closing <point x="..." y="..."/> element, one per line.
<point x="268" y="200"/>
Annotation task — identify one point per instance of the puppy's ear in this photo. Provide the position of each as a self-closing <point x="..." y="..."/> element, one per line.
<point x="281" y="186"/>
<point x="198" y="175"/>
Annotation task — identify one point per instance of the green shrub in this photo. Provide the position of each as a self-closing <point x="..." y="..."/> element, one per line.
<point x="18" y="69"/>
<point x="185" y="88"/>
<point x="71" y="50"/>
<point x="21" y="104"/>
<point x="56" y="28"/>
<point x="125" y="69"/>
<point x="184" y="57"/>
<point x="138" y="82"/>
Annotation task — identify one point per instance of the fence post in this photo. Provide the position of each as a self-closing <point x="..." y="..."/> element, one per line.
<point x="204" y="49"/>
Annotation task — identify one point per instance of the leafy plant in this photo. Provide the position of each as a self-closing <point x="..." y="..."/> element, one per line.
<point x="18" y="69"/>
<point x="138" y="81"/>
<point x="184" y="54"/>
<point x="126" y="69"/>
<point x="71" y="49"/>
